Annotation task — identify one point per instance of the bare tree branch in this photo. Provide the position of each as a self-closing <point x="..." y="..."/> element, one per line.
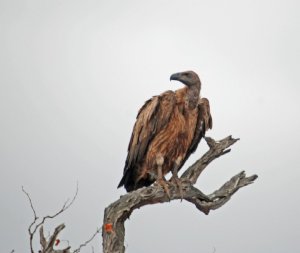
<point x="43" y="241"/>
<point x="35" y="224"/>
<point x="216" y="150"/>
<point x="47" y="246"/>
<point x="87" y="242"/>
<point x="31" y="205"/>
<point x="65" y="206"/>
<point x="118" y="212"/>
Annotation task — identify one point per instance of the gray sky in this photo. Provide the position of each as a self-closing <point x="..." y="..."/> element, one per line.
<point x="73" y="75"/>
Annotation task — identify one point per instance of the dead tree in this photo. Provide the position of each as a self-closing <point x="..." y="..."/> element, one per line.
<point x="115" y="215"/>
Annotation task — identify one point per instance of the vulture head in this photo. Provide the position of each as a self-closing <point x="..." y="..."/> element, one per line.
<point x="189" y="78"/>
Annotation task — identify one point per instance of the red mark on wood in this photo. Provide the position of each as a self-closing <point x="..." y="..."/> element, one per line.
<point x="108" y="227"/>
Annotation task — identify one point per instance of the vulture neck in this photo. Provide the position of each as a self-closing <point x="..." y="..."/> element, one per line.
<point x="192" y="96"/>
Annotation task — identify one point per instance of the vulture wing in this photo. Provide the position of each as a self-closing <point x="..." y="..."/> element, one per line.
<point x="204" y="122"/>
<point x="151" y="119"/>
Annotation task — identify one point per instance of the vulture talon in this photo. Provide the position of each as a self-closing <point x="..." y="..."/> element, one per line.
<point x="174" y="179"/>
<point x="160" y="178"/>
<point x="164" y="184"/>
<point x="178" y="184"/>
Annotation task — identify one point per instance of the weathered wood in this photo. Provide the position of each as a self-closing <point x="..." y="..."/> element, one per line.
<point x="118" y="212"/>
<point x="217" y="149"/>
<point x="47" y="246"/>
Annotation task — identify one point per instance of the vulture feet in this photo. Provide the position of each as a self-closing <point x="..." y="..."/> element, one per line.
<point x="160" y="178"/>
<point x="174" y="179"/>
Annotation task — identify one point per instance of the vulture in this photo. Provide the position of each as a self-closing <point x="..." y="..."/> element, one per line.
<point x="167" y="131"/>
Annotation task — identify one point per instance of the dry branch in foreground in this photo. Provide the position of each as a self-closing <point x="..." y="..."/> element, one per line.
<point x="47" y="245"/>
<point x="39" y="222"/>
<point x="118" y="212"/>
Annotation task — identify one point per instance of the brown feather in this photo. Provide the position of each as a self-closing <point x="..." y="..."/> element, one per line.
<point x="151" y="119"/>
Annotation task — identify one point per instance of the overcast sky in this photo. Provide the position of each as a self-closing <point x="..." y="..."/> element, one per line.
<point x="73" y="75"/>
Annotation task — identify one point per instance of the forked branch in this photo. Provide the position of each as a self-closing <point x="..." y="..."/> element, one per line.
<point x="35" y="224"/>
<point x="118" y="212"/>
<point x="48" y="245"/>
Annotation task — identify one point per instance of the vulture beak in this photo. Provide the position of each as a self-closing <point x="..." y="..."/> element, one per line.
<point x="175" y="76"/>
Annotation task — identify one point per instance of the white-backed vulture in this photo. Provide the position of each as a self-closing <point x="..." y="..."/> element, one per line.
<point x="167" y="131"/>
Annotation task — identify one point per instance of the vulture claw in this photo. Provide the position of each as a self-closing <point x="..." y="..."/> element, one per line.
<point x="164" y="184"/>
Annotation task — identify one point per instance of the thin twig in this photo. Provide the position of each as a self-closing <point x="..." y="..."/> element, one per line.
<point x="87" y="242"/>
<point x="33" y="222"/>
<point x="65" y="206"/>
<point x="30" y="201"/>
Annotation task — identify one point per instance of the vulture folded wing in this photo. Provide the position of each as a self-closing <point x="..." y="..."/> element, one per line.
<point x="204" y="122"/>
<point x="151" y="119"/>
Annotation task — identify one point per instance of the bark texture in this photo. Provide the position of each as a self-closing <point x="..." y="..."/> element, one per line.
<point x="47" y="246"/>
<point x="118" y="212"/>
